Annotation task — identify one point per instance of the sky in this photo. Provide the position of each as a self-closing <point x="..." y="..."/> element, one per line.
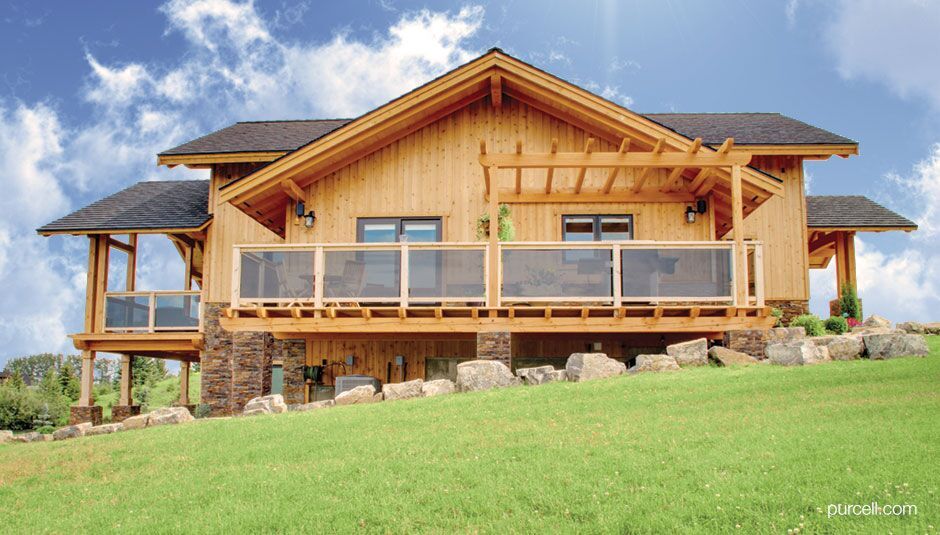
<point x="90" y="93"/>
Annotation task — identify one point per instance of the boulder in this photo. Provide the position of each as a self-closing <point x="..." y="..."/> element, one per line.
<point x="819" y="356"/>
<point x="406" y="390"/>
<point x="6" y="436"/>
<point x="437" y="387"/>
<point x="105" y="429"/>
<point x="932" y="328"/>
<point x="730" y="357"/>
<point x="71" y="431"/>
<point x="794" y="353"/>
<point x="32" y="436"/>
<point x="587" y="366"/>
<point x="541" y="375"/>
<point x="655" y="363"/>
<point x="360" y="394"/>
<point x="845" y="347"/>
<point x="889" y="346"/>
<point x="136" y="422"/>
<point x="168" y="416"/>
<point x="273" y="404"/>
<point x="313" y="405"/>
<point x="862" y="330"/>
<point x="475" y="375"/>
<point x="876" y="321"/>
<point x="912" y="327"/>
<point x="692" y="353"/>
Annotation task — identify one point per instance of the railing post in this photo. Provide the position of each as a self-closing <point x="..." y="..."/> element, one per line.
<point x="759" y="273"/>
<point x="153" y="312"/>
<point x="618" y="275"/>
<point x="318" y="270"/>
<point x="734" y="274"/>
<point x="403" y="275"/>
<point x="236" y="275"/>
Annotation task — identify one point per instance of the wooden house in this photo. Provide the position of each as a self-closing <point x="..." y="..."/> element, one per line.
<point x="381" y="245"/>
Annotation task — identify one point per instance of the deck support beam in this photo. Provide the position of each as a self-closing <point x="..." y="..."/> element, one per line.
<point x="127" y="380"/>
<point x="845" y="260"/>
<point x="737" y="233"/>
<point x="184" y="383"/>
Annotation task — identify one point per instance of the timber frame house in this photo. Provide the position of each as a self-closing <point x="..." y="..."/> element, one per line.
<point x="370" y="246"/>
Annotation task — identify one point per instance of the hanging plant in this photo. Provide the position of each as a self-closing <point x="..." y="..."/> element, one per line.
<point x="507" y="232"/>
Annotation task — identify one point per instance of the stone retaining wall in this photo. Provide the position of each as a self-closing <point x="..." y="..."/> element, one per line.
<point x="293" y="355"/>
<point x="78" y="415"/>
<point x="790" y="308"/>
<point x="753" y="341"/>
<point x="119" y="413"/>
<point x="495" y="345"/>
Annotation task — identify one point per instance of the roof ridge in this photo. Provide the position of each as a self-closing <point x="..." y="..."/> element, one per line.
<point x="712" y="113"/>
<point x="294" y="120"/>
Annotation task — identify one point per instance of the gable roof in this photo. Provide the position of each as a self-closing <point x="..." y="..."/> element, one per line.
<point x="852" y="212"/>
<point x="145" y="206"/>
<point x="713" y="128"/>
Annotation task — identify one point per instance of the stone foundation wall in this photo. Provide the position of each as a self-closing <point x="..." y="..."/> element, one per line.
<point x="753" y="341"/>
<point x="293" y="355"/>
<point x="495" y="346"/>
<point x="78" y="415"/>
<point x="119" y="413"/>
<point x="790" y="309"/>
<point x="236" y="367"/>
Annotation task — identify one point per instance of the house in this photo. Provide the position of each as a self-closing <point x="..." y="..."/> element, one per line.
<point x="325" y="252"/>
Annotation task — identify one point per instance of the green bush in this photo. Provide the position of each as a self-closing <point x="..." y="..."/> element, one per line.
<point x="19" y="407"/>
<point x="203" y="410"/>
<point x="849" y="304"/>
<point x="777" y="313"/>
<point x="811" y="322"/>
<point x="837" y="325"/>
<point x="46" y="429"/>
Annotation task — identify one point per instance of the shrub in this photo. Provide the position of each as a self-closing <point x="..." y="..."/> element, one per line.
<point x="811" y="322"/>
<point x="46" y="429"/>
<point x="849" y="304"/>
<point x="203" y="410"/>
<point x="505" y="226"/>
<point x="853" y="322"/>
<point x="837" y="325"/>
<point x="19" y="407"/>
<point x="777" y="313"/>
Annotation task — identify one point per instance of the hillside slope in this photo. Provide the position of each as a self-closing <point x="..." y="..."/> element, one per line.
<point x="763" y="448"/>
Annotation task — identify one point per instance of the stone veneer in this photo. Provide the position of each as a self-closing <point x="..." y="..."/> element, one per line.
<point x="78" y="415"/>
<point x="119" y="413"/>
<point x="753" y="341"/>
<point x="293" y="357"/>
<point x="790" y="308"/>
<point x="495" y="345"/>
<point x="236" y="366"/>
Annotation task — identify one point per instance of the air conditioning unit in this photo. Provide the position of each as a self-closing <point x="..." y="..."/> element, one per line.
<point x="348" y="382"/>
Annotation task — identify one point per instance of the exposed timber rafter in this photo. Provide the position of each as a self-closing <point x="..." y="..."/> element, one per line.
<point x="588" y="148"/>
<point x="496" y="90"/>
<point x="675" y="177"/>
<point x="658" y="148"/>
<point x="624" y="148"/>
<point x="551" y="170"/>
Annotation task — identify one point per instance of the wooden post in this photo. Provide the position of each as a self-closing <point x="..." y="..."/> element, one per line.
<point x="101" y="281"/>
<point x="184" y="382"/>
<point x="845" y="260"/>
<point x="127" y="379"/>
<point x="403" y="276"/>
<point x="188" y="269"/>
<point x="740" y="254"/>
<point x="618" y="275"/>
<point x="131" y="283"/>
<point x="87" y="381"/>
<point x="493" y="268"/>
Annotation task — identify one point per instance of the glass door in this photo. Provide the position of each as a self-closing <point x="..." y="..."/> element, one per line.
<point x="424" y="273"/>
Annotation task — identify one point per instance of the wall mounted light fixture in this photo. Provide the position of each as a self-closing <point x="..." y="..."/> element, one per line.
<point x="309" y="218"/>
<point x="689" y="215"/>
<point x="701" y="206"/>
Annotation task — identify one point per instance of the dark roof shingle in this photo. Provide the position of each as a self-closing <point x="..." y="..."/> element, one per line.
<point x="259" y="136"/>
<point x="851" y="211"/>
<point x="747" y="129"/>
<point x="143" y="206"/>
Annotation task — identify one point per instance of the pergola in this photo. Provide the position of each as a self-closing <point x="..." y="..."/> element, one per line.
<point x="694" y="173"/>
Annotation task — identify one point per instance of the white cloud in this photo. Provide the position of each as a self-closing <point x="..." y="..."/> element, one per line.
<point x="894" y="43"/>
<point x="922" y="192"/>
<point x="790" y="10"/>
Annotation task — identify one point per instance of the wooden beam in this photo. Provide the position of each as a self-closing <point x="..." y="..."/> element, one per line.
<point x="198" y="160"/>
<point x="588" y="147"/>
<point x="551" y="170"/>
<point x="293" y="190"/>
<point x="726" y="147"/>
<point x="130" y="283"/>
<point x="675" y="176"/>
<point x="737" y="229"/>
<point x="120" y="246"/>
<point x="624" y="148"/>
<point x="519" y="170"/>
<point x="496" y="90"/>
<point x="597" y="196"/>
<point x="645" y="173"/>
<point x="576" y="160"/>
<point x="699" y="179"/>
<point x="486" y="170"/>
<point x="493" y="252"/>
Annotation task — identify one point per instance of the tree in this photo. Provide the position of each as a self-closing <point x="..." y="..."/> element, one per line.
<point x="71" y="386"/>
<point x="849" y="304"/>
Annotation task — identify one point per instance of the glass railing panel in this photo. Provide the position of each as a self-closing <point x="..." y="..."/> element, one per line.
<point x="127" y="312"/>
<point x="176" y="311"/>
<point x="675" y="273"/>
<point x="277" y="275"/>
<point x="361" y="275"/>
<point x="446" y="274"/>
<point x="557" y="273"/>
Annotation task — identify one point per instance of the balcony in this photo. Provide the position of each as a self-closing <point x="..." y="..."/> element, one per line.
<point x="313" y="288"/>
<point x="152" y="312"/>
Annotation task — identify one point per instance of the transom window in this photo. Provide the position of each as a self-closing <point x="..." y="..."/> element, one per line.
<point x="398" y="229"/>
<point x="608" y="227"/>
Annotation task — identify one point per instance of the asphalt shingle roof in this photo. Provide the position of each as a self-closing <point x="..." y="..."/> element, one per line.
<point x="851" y="211"/>
<point x="143" y="206"/>
<point x="259" y="136"/>
<point x="747" y="129"/>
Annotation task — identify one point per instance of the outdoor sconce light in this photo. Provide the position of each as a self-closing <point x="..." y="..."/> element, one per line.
<point x="300" y="208"/>
<point x="309" y="217"/>
<point x="689" y="215"/>
<point x="701" y="206"/>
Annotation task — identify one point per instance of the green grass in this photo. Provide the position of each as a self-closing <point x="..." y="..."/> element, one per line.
<point x="164" y="393"/>
<point x="706" y="450"/>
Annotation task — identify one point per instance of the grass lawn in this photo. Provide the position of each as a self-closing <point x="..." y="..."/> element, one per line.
<point x="759" y="449"/>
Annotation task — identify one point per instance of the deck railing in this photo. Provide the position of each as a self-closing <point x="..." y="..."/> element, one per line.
<point x="536" y="273"/>
<point x="149" y="312"/>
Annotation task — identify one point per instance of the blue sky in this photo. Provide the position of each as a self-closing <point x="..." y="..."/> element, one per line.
<point x="91" y="92"/>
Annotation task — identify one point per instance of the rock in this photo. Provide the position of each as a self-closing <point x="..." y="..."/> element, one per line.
<point x="932" y="328"/>
<point x="475" y="375"/>
<point x="587" y="366"/>
<point x="273" y="404"/>
<point x="845" y="347"/>
<point x="730" y="357"/>
<point x="876" y="321"/>
<point x="862" y="330"/>
<point x="104" y="429"/>
<point x="71" y="431"/>
<point x="438" y="387"/>
<point x="313" y="405"/>
<point x="406" y="390"/>
<point x="819" y="356"/>
<point x="795" y="353"/>
<point x="541" y="375"/>
<point x="912" y="327"/>
<point x="32" y="436"/>
<point x="360" y="394"/>
<point x="655" y="363"/>
<point x="692" y="353"/>
<point x="787" y="334"/>
<point x="255" y="412"/>
<point x="136" y="422"/>
<point x="378" y="396"/>
<point x="168" y="416"/>
<point x="6" y="436"/>
<point x="889" y="346"/>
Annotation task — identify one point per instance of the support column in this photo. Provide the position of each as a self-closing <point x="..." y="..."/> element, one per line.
<point x="493" y="265"/>
<point x="845" y="260"/>
<point x="86" y="411"/>
<point x="737" y="233"/>
<point x="184" y="383"/>
<point x="495" y="345"/>
<point x="125" y="407"/>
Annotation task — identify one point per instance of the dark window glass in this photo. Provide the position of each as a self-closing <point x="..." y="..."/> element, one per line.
<point x="396" y="229"/>
<point x="597" y="227"/>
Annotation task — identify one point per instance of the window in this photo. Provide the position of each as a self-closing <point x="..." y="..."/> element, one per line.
<point x="597" y="227"/>
<point x="398" y="229"/>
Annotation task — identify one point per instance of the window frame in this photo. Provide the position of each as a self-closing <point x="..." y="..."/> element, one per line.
<point x="399" y="223"/>
<point x="596" y="222"/>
